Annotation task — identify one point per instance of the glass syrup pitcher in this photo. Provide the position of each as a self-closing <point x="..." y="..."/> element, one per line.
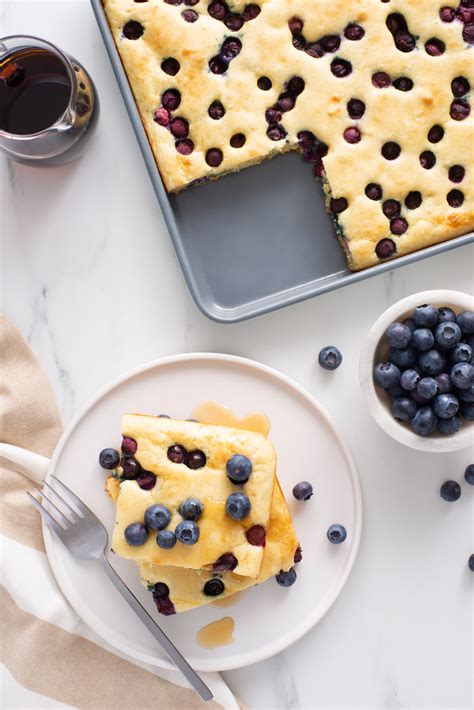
<point x="48" y="103"/>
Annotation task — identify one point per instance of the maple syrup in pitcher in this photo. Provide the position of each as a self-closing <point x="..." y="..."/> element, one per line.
<point x="48" y="103"/>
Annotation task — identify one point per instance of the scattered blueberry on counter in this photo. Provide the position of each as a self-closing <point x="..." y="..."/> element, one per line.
<point x="303" y="490"/>
<point x="450" y="491"/>
<point x="336" y="533"/>
<point x="136" y="534"/>
<point x="109" y="458"/>
<point x="429" y="371"/>
<point x="469" y="474"/>
<point x="286" y="579"/>
<point x="330" y="357"/>
<point x="470" y="563"/>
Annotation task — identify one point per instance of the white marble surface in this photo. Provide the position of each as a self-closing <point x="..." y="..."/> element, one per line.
<point x="90" y="278"/>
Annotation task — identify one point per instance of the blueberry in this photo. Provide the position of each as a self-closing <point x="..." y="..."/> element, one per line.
<point x="195" y="459"/>
<point x="427" y="387"/>
<point x="166" y="539"/>
<point x="146" y="480"/>
<point x="256" y="536"/>
<point x="298" y="556"/>
<point x="136" y="534"/>
<point x="469" y="339"/>
<point x="422" y="339"/>
<point x="237" y="506"/>
<point x="410" y="323"/>
<point x="157" y="517"/>
<point x="213" y="587"/>
<point x="226" y="563"/>
<point x="462" y="375"/>
<point x="398" y="334"/>
<point x="177" y="453"/>
<point x="336" y="534"/>
<point x="466" y="395"/>
<point x="395" y="391"/>
<point x="426" y="316"/>
<point x="164" y="606"/>
<point x="449" y="426"/>
<point x="187" y="532"/>
<point x="416" y="397"/>
<point x="424" y="422"/>
<point x="191" y="509"/>
<point x="469" y="474"/>
<point x="447" y="335"/>
<point x="450" y="491"/>
<point x="387" y="374"/>
<point x="303" y="490"/>
<point x="131" y="468"/>
<point x="467" y="410"/>
<point x="462" y="352"/>
<point x="470" y="563"/>
<point x="239" y="468"/>
<point x="161" y="590"/>
<point x="445" y="406"/>
<point x="330" y="357"/>
<point x="403" y="408"/>
<point x="109" y="458"/>
<point x="409" y="379"/>
<point x="465" y="321"/>
<point x="286" y="579"/>
<point x="403" y="358"/>
<point x="446" y="315"/>
<point x="444" y="383"/>
<point x="432" y="362"/>
<point x="129" y="446"/>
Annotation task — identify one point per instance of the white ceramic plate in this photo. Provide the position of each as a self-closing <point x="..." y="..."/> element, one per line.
<point x="267" y="618"/>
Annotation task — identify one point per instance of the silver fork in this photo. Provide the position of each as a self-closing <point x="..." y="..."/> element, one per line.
<point x="82" y="533"/>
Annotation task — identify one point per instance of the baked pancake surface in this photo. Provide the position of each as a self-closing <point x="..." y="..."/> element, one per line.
<point x="375" y="95"/>
<point x="176" y="482"/>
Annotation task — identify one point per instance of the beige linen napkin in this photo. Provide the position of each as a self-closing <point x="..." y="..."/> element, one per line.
<point x="44" y="644"/>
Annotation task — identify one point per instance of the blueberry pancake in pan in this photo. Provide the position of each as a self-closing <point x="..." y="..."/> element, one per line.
<point x="375" y="95"/>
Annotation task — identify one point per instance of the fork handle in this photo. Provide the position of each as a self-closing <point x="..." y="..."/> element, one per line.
<point x="197" y="683"/>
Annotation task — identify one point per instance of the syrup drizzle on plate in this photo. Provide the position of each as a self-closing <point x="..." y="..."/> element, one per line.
<point x="217" y="633"/>
<point x="212" y="412"/>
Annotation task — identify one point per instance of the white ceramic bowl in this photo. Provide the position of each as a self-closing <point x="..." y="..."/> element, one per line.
<point x="376" y="349"/>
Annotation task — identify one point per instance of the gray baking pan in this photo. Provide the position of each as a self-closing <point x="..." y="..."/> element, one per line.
<point x="252" y="241"/>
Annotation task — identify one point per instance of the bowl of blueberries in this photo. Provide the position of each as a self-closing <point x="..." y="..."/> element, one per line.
<point x="417" y="371"/>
